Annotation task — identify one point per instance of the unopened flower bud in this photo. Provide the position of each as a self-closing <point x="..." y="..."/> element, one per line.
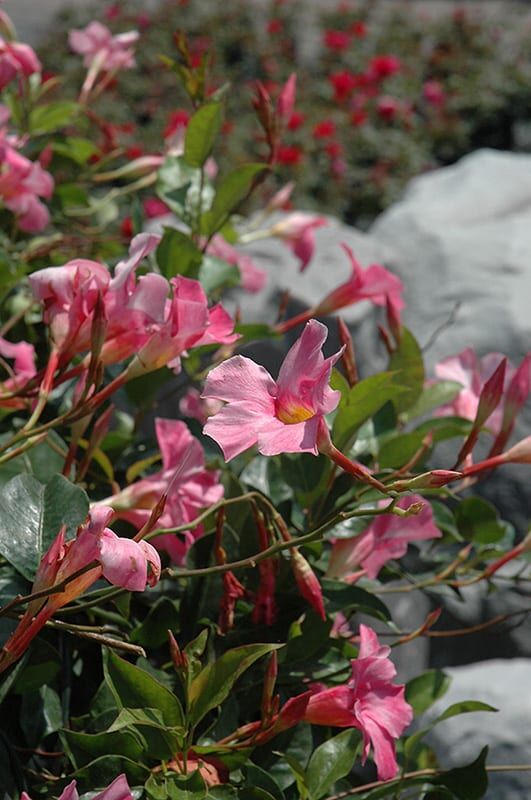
<point x="427" y="480"/>
<point x="307" y="582"/>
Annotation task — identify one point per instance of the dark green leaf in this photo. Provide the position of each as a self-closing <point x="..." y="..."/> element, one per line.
<point x="104" y="769"/>
<point x="178" y="255"/>
<point x="232" y="189"/>
<point x="213" y="684"/>
<point x="41" y="714"/>
<point x="254" y="793"/>
<point x="345" y="598"/>
<point x="331" y="761"/>
<point x="259" y="778"/>
<point x="186" y="787"/>
<point x="153" y="630"/>
<point x="32" y="514"/>
<point x="43" y="461"/>
<point x="132" y="687"/>
<point x="83" y="748"/>
<point x="463" y="707"/>
<point x="424" y="690"/>
<point x="51" y="117"/>
<point x="400" y="450"/>
<point x="201" y="133"/>
<point x="361" y="403"/>
<point x="407" y="362"/>
<point x="478" y="521"/>
<point x="160" y="742"/>
<point x="470" y="782"/>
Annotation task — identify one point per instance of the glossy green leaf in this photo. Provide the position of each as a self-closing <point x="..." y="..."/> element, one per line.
<point x="469" y="782"/>
<point x="186" y="787"/>
<point x="362" y="402"/>
<point x="83" y="748"/>
<point x="160" y="741"/>
<point x="331" y="761"/>
<point x="52" y="116"/>
<point x="32" y="514"/>
<point x="231" y="190"/>
<point x="399" y="450"/>
<point x="213" y="684"/>
<point x="201" y="133"/>
<point x="103" y="770"/>
<point x="425" y="689"/>
<point x="260" y="779"/>
<point x="41" y="714"/>
<point x="132" y="687"/>
<point x="177" y="255"/>
<point x="408" y="364"/>
<point x="347" y="598"/>
<point x="43" y="461"/>
<point x="478" y="521"/>
<point x="433" y="396"/>
<point x="464" y="707"/>
<point x="153" y="630"/>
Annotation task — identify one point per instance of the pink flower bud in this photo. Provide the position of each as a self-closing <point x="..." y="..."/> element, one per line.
<point x="307" y="582"/>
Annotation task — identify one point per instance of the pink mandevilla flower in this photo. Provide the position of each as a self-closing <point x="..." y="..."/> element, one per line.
<point x="23" y="369"/>
<point x="117" y="790"/>
<point x="123" y="562"/>
<point x="375" y="283"/>
<point x="189" y="485"/>
<point x="282" y="416"/>
<point x="22" y="182"/>
<point x="16" y="58"/>
<point x="297" y="230"/>
<point x="252" y="277"/>
<point x="96" y="41"/>
<point x="472" y="373"/>
<point x="387" y="537"/>
<point x="368" y="701"/>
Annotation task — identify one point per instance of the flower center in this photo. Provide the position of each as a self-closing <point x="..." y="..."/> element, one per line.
<point x="292" y="412"/>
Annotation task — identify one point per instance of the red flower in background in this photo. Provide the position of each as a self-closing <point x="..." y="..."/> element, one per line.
<point x="343" y="84"/>
<point x="274" y="26"/>
<point x="381" y="67"/>
<point x="358" y="29"/>
<point x="337" y="40"/>
<point x="295" y="121"/>
<point x="289" y="154"/>
<point x="324" y="129"/>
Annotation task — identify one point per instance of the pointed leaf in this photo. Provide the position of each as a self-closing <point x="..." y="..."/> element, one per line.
<point x="424" y="690"/>
<point x="331" y="761"/>
<point x="470" y="782"/>
<point x="232" y="189"/>
<point x="201" y="133"/>
<point x="407" y="362"/>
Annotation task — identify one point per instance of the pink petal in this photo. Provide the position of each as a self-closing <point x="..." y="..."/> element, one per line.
<point x="123" y="562"/>
<point x="239" y="378"/>
<point x="235" y="428"/>
<point x="118" y="790"/>
<point x="275" y="437"/>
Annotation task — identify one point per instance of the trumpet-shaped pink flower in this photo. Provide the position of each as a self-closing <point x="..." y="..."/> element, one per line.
<point x="121" y="561"/>
<point x="282" y="416"/>
<point x="387" y="537"/>
<point x="369" y="702"/>
<point x="16" y="58"/>
<point x="297" y="230"/>
<point x="22" y="182"/>
<point x="374" y="283"/>
<point x="253" y="278"/>
<point x="472" y="373"/>
<point x="189" y="486"/>
<point x="117" y="790"/>
<point x="96" y="41"/>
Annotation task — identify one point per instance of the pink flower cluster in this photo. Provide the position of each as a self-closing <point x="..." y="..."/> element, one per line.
<point x="369" y="701"/>
<point x="123" y="562"/>
<point x="118" y="790"/>
<point x="137" y="316"/>
<point x="188" y="485"/>
<point x="22" y="183"/>
<point x="97" y="42"/>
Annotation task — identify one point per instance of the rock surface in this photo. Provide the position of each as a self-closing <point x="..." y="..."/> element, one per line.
<point x="503" y="684"/>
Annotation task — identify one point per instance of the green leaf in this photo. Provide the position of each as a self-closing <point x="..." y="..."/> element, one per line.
<point x="160" y="742"/>
<point x="31" y="516"/>
<point x="232" y="189"/>
<point x="331" y="761"/>
<point x="407" y="362"/>
<point x="478" y="521"/>
<point x="463" y="707"/>
<point x="214" y="683"/>
<point x="132" y="687"/>
<point x="180" y="186"/>
<point x="470" y="782"/>
<point x="254" y="793"/>
<point x="75" y="148"/>
<point x="259" y="778"/>
<point x="424" y="690"/>
<point x="215" y="274"/>
<point x="51" y="117"/>
<point x="178" y="255"/>
<point x="43" y="461"/>
<point x="345" y="598"/>
<point x="41" y="714"/>
<point x="201" y="133"/>
<point x="186" y="787"/>
<point x="362" y="402"/>
<point x="153" y="630"/>
<point x="104" y="769"/>
<point x="83" y="748"/>
<point x="400" y="450"/>
<point x="433" y="396"/>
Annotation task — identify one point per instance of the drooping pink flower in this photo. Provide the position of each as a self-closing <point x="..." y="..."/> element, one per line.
<point x="22" y="183"/>
<point x="386" y="538"/>
<point x="96" y="41"/>
<point x="117" y="790"/>
<point x="375" y="283"/>
<point x="369" y="701"/>
<point x="472" y="373"/>
<point x="121" y="561"/>
<point x="189" y="486"/>
<point x="16" y="58"/>
<point x="280" y="416"/>
<point x="297" y="230"/>
<point x="253" y="278"/>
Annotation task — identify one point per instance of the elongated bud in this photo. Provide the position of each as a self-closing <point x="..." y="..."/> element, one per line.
<point x="491" y="394"/>
<point x="517" y="394"/>
<point x="286" y="98"/>
<point x="427" y="480"/>
<point x="156" y="513"/>
<point x="307" y="582"/>
<point x="520" y="453"/>
<point x="178" y="657"/>
<point x="133" y="169"/>
<point x="348" y="357"/>
<point x="268" y="701"/>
